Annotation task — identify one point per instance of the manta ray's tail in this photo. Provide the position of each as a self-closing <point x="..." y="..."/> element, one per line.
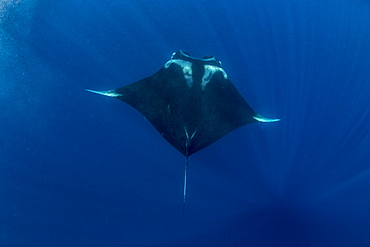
<point x="186" y="169"/>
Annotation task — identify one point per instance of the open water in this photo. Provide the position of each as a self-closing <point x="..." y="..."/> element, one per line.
<point x="78" y="169"/>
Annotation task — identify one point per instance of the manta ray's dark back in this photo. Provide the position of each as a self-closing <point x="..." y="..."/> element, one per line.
<point x="190" y="101"/>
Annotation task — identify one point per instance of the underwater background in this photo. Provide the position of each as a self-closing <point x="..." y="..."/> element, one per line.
<point x="78" y="169"/>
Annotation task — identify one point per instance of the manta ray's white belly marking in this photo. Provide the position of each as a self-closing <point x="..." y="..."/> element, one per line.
<point x="186" y="69"/>
<point x="209" y="71"/>
<point x="186" y="66"/>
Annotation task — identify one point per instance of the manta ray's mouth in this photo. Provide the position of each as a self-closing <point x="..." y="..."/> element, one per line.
<point x="209" y="60"/>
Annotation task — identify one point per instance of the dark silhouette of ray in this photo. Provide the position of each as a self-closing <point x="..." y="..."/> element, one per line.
<point x="190" y="101"/>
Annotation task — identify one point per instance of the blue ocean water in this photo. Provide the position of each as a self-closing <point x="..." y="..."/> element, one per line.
<point x="78" y="169"/>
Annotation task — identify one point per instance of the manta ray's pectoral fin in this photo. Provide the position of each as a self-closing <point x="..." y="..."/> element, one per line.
<point x="110" y="93"/>
<point x="259" y="118"/>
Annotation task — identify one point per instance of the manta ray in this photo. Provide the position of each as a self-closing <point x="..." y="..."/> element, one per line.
<point x="190" y="101"/>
